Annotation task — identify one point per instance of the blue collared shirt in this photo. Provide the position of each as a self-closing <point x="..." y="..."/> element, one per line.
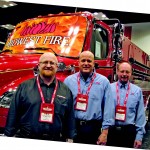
<point x="99" y="92"/>
<point x="135" y="113"/>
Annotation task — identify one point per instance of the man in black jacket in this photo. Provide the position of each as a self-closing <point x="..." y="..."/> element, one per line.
<point x="42" y="107"/>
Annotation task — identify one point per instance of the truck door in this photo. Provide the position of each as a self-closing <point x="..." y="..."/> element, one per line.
<point x="100" y="49"/>
<point x="99" y="43"/>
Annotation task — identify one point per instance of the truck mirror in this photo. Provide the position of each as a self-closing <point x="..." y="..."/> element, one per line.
<point x="118" y="34"/>
<point x="148" y="58"/>
<point x="35" y="70"/>
<point x="96" y="65"/>
<point x="116" y="55"/>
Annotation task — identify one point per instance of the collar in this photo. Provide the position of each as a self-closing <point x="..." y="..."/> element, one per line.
<point x="89" y="77"/>
<point x="120" y="84"/>
<point x="42" y="82"/>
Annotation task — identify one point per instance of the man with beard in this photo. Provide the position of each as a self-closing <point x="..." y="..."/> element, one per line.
<point x="42" y="107"/>
<point x="130" y="116"/>
<point x="94" y="109"/>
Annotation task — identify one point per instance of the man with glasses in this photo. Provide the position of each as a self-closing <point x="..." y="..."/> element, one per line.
<point x="130" y="117"/>
<point x="42" y="107"/>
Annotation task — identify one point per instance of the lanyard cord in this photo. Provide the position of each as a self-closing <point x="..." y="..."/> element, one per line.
<point x="41" y="93"/>
<point x="89" y="87"/>
<point x="127" y="94"/>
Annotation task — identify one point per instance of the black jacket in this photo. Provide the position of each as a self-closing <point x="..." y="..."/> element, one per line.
<point x="24" y="111"/>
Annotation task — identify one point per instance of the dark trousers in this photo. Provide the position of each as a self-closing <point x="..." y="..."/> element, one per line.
<point x="121" y="136"/>
<point x="87" y="131"/>
<point x="46" y="136"/>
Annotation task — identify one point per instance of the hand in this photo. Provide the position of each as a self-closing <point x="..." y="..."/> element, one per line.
<point x="3" y="135"/>
<point x="102" y="139"/>
<point x="70" y="140"/>
<point x="137" y="144"/>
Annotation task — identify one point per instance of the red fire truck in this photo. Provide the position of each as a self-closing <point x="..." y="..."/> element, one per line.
<point x="67" y="35"/>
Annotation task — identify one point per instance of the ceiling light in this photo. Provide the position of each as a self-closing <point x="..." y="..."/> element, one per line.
<point x="8" y="26"/>
<point x="100" y="15"/>
<point x="2" y="42"/>
<point x="6" y="4"/>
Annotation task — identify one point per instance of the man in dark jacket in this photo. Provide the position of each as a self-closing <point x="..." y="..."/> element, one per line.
<point x="42" y="107"/>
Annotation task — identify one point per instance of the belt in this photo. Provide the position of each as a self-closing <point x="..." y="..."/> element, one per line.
<point x="118" y="128"/>
<point x="46" y="137"/>
<point x="124" y="127"/>
<point x="88" y="122"/>
<point x="24" y="134"/>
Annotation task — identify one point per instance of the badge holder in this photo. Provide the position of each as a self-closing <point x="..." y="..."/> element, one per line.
<point x="120" y="113"/>
<point x="46" y="113"/>
<point x="81" y="102"/>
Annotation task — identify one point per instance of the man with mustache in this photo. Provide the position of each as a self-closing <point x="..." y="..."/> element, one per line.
<point x="94" y="109"/>
<point x="42" y="107"/>
<point x="130" y="115"/>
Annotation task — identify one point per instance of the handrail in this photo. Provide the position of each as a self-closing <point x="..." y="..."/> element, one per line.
<point x="133" y="61"/>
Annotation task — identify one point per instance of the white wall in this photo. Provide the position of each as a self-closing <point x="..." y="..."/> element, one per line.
<point x="141" y="36"/>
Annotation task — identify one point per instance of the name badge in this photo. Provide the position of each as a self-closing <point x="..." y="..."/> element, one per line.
<point x="120" y="113"/>
<point x="46" y="113"/>
<point x="81" y="102"/>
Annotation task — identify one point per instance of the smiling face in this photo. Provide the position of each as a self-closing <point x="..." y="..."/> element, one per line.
<point x="124" y="72"/>
<point x="48" y="65"/>
<point x="86" y="62"/>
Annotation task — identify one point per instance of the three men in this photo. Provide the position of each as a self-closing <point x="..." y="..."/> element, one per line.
<point x="44" y="107"/>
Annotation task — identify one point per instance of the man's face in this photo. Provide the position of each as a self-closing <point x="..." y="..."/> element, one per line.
<point x="124" y="72"/>
<point x="48" y="66"/>
<point x="86" y="63"/>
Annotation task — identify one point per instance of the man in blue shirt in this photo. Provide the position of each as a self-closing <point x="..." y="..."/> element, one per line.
<point x="130" y="115"/>
<point x="94" y="109"/>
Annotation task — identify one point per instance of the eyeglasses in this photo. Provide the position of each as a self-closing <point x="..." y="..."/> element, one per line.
<point x="48" y="62"/>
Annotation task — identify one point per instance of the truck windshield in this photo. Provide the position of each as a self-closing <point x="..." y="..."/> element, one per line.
<point x="63" y="34"/>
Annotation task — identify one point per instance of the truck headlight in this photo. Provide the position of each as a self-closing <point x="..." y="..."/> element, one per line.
<point x="61" y="66"/>
<point x="6" y="99"/>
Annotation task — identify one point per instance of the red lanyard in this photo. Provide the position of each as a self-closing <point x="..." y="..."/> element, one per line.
<point x="41" y="93"/>
<point x="126" y="97"/>
<point x="89" y="87"/>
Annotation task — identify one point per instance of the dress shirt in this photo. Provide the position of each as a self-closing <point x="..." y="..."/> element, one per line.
<point x="99" y="93"/>
<point x="135" y="113"/>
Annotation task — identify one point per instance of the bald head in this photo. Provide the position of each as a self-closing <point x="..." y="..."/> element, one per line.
<point x="48" y="65"/>
<point x="124" y="72"/>
<point x="127" y="64"/>
<point x="48" y="55"/>
<point x="87" y="54"/>
<point x="86" y="63"/>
